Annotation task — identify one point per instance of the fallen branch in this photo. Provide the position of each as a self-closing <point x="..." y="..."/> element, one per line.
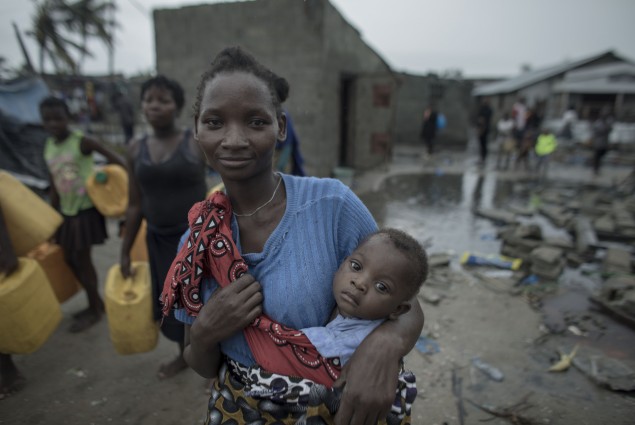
<point x="457" y="390"/>
<point x="511" y="414"/>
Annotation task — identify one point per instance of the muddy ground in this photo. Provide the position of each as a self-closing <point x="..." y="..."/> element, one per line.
<point x="81" y="380"/>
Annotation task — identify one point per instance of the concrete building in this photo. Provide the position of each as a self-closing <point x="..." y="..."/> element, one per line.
<point x="347" y="104"/>
<point x="342" y="97"/>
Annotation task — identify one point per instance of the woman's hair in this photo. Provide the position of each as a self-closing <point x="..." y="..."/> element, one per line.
<point x="235" y="59"/>
<point x="54" y="102"/>
<point x="413" y="251"/>
<point x="163" y="82"/>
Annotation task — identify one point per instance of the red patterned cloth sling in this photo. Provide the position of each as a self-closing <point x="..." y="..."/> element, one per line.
<point x="211" y="251"/>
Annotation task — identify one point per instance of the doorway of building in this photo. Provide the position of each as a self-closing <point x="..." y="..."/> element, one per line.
<point x="346" y="91"/>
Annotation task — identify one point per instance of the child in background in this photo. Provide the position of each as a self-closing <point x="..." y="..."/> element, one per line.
<point x="506" y="143"/>
<point x="68" y="155"/>
<point x="545" y="145"/>
<point x="375" y="283"/>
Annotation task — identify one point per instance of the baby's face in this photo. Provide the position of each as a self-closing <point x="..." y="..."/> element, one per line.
<point x="373" y="281"/>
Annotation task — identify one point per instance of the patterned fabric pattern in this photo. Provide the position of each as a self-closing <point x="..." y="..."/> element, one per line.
<point x="210" y="250"/>
<point x="230" y="402"/>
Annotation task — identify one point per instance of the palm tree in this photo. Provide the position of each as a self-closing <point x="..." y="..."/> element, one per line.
<point x="52" y="41"/>
<point x="91" y="19"/>
<point x="62" y="30"/>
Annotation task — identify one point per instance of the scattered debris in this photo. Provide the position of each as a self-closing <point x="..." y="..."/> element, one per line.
<point x="78" y="372"/>
<point x="430" y="297"/>
<point x="497" y="215"/>
<point x="547" y="262"/>
<point x="605" y="371"/>
<point x="491" y="280"/>
<point x="457" y="390"/>
<point x="617" y="298"/>
<point x="585" y="235"/>
<point x="557" y="214"/>
<point x="531" y="279"/>
<point x="439" y="260"/>
<point x="576" y="331"/>
<point x="512" y="413"/>
<point x="491" y="260"/>
<point x="427" y="345"/>
<point x="489" y="370"/>
<point x="565" y="361"/>
<point x="98" y="402"/>
<point x="617" y="260"/>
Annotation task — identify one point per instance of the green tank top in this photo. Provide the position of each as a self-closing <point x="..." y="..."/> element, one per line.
<point x="70" y="169"/>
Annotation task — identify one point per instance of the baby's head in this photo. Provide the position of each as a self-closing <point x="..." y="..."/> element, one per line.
<point x="380" y="277"/>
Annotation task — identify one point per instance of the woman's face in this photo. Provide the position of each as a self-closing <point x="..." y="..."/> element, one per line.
<point x="237" y="126"/>
<point x="158" y="106"/>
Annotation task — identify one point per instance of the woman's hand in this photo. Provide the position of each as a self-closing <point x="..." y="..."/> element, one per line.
<point x="124" y="264"/>
<point x="369" y="381"/>
<point x="370" y="377"/>
<point x="228" y="311"/>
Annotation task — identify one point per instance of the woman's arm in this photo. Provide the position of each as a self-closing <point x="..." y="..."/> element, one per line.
<point x="133" y="213"/>
<point x="370" y="376"/>
<point x="203" y="358"/>
<point x="90" y="145"/>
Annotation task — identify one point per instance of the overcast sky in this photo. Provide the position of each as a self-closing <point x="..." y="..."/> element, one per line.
<point x="478" y="37"/>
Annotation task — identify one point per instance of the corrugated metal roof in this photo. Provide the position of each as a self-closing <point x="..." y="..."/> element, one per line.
<point x="595" y="87"/>
<point x="604" y="79"/>
<point x="600" y="71"/>
<point x="531" y="77"/>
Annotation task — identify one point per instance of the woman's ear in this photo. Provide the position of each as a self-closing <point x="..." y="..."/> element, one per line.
<point x="401" y="309"/>
<point x="282" y="127"/>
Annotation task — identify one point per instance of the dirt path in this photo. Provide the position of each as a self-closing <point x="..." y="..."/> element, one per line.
<point x="80" y="380"/>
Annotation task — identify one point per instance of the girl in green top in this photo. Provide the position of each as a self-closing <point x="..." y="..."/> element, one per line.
<point x="68" y="155"/>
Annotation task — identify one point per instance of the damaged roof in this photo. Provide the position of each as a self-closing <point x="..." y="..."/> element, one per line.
<point x="529" y="78"/>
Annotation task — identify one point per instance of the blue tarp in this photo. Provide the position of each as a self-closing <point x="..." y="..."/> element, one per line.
<point x="21" y="134"/>
<point x="21" y="98"/>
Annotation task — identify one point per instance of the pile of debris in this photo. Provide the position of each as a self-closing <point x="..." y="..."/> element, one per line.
<point x="599" y="227"/>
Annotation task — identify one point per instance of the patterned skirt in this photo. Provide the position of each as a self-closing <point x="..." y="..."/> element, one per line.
<point x="282" y="400"/>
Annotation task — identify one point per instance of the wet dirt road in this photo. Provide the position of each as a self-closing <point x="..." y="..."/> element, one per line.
<point x="79" y="379"/>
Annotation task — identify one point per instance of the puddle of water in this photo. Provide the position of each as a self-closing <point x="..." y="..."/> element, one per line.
<point x="437" y="208"/>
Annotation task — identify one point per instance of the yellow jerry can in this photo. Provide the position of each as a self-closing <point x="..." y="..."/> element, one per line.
<point x="29" y="219"/>
<point x="29" y="311"/>
<point x="129" y="309"/>
<point x="108" y="189"/>
<point x="61" y="277"/>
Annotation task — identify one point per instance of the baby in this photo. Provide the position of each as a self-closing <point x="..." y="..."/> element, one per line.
<point x="375" y="283"/>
